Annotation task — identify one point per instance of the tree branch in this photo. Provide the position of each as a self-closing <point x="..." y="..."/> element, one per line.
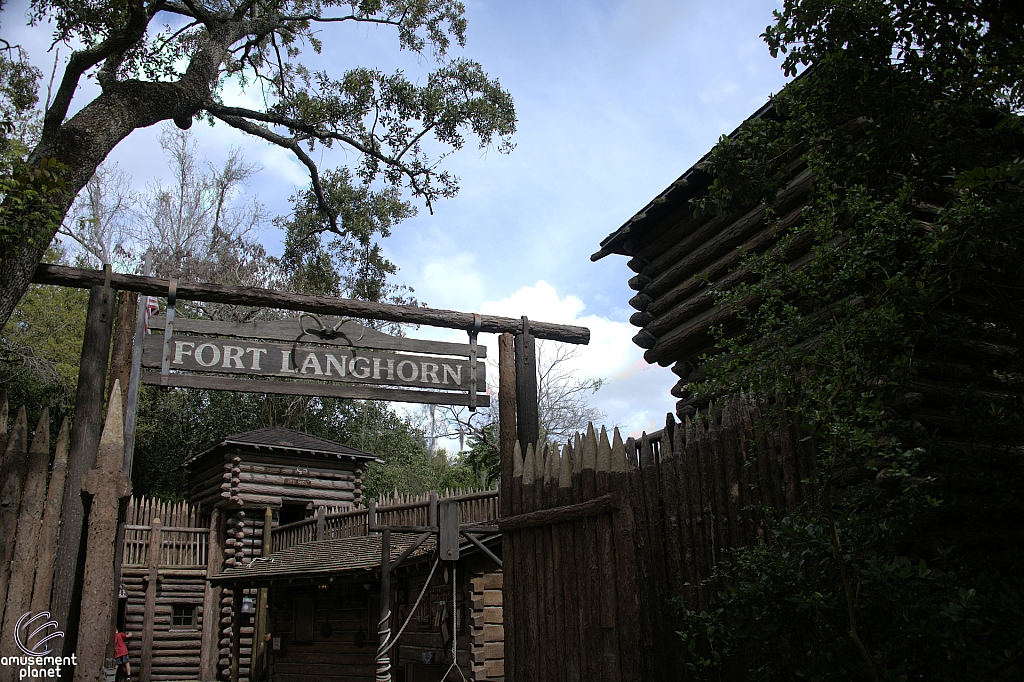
<point x="287" y="143"/>
<point x="83" y="60"/>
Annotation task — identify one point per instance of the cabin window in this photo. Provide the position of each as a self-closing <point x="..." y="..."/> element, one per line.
<point x="292" y="512"/>
<point x="183" y="616"/>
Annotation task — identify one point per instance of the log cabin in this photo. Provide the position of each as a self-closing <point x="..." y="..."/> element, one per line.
<point x="310" y="492"/>
<point x="171" y="549"/>
<point x="684" y="259"/>
<point x="319" y="603"/>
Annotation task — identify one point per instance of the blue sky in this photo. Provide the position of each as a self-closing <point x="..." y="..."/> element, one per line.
<point x="615" y="100"/>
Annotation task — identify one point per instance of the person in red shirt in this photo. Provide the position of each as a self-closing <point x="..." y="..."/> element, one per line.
<point x="121" y="653"/>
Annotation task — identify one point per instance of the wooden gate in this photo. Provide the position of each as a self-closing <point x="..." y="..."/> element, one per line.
<point x="605" y="533"/>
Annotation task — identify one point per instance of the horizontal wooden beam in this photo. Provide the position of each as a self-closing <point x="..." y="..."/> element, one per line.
<point x="285" y="387"/>
<point x="572" y="512"/>
<point x="61" y="275"/>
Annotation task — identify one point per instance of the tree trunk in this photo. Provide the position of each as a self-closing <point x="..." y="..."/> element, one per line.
<point x="82" y="143"/>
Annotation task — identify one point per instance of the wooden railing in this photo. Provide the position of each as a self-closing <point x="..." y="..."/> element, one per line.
<point x="183" y="542"/>
<point x="474" y="507"/>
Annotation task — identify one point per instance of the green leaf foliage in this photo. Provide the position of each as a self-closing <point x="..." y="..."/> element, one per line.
<point x="910" y="567"/>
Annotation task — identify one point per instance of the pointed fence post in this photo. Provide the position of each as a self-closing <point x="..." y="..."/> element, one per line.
<point x="107" y="485"/>
<point x="152" y="579"/>
<point x="12" y="481"/>
<point x="210" y="652"/>
<point x="51" y="524"/>
<point x="26" y="542"/>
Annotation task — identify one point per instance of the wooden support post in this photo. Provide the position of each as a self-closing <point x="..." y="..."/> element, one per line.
<point x="210" y="647"/>
<point x="236" y="632"/>
<point x="121" y="360"/>
<point x="321" y="522"/>
<point x="527" y="417"/>
<point x="385" y="603"/>
<point x="506" y="416"/>
<point x="259" y="647"/>
<point x="85" y="439"/>
<point x="108" y="487"/>
<point x="152" y="580"/>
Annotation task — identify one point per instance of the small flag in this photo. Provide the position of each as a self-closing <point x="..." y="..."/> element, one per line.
<point x="152" y="308"/>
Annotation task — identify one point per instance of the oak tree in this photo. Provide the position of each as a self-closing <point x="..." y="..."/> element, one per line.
<point x="173" y="60"/>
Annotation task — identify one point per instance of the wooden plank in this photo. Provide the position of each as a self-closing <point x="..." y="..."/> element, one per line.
<point x="591" y="569"/>
<point x="514" y="586"/>
<point x="527" y="418"/>
<point x="561" y="551"/>
<point x="570" y="574"/>
<point x="532" y="603"/>
<point x="626" y="550"/>
<point x="107" y="488"/>
<point x="586" y="590"/>
<point x="305" y="329"/>
<point x="265" y="298"/>
<point x="671" y="499"/>
<point x="281" y="387"/>
<point x="264" y="359"/>
<point x="506" y="417"/>
<point x="607" y="560"/>
<point x="605" y="504"/>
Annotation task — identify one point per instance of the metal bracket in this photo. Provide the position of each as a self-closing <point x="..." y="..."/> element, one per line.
<point x="165" y="363"/>
<point x="526" y="338"/>
<point x="106" y="291"/>
<point x="472" y="361"/>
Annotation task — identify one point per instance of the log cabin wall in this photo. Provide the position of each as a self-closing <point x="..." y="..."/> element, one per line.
<point x="681" y="261"/>
<point x="292" y="474"/>
<point x="341" y="643"/>
<point x="166" y="550"/>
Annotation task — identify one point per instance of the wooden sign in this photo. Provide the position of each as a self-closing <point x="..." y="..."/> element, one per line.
<point x="324" y="358"/>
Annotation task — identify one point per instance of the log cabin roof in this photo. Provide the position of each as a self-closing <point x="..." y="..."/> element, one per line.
<point x="288" y="440"/>
<point x="349" y="556"/>
<point x="690" y="184"/>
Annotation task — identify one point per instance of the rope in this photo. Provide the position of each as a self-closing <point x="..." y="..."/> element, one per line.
<point x="384" y="633"/>
<point x="383" y="660"/>
<point x="426" y="585"/>
<point x="455" y="630"/>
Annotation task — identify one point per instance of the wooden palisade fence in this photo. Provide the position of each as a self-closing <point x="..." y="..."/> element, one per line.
<point x="604" y="533"/>
<point x="31" y="489"/>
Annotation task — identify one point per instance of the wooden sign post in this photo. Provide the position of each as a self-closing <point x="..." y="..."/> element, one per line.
<point x="85" y="440"/>
<point x="312" y="356"/>
<point x="306" y="355"/>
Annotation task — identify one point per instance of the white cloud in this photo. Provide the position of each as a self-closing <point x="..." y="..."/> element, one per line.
<point x="635" y="395"/>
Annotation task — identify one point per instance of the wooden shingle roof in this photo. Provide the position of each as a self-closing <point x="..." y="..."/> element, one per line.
<point x="279" y="438"/>
<point x="311" y="560"/>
